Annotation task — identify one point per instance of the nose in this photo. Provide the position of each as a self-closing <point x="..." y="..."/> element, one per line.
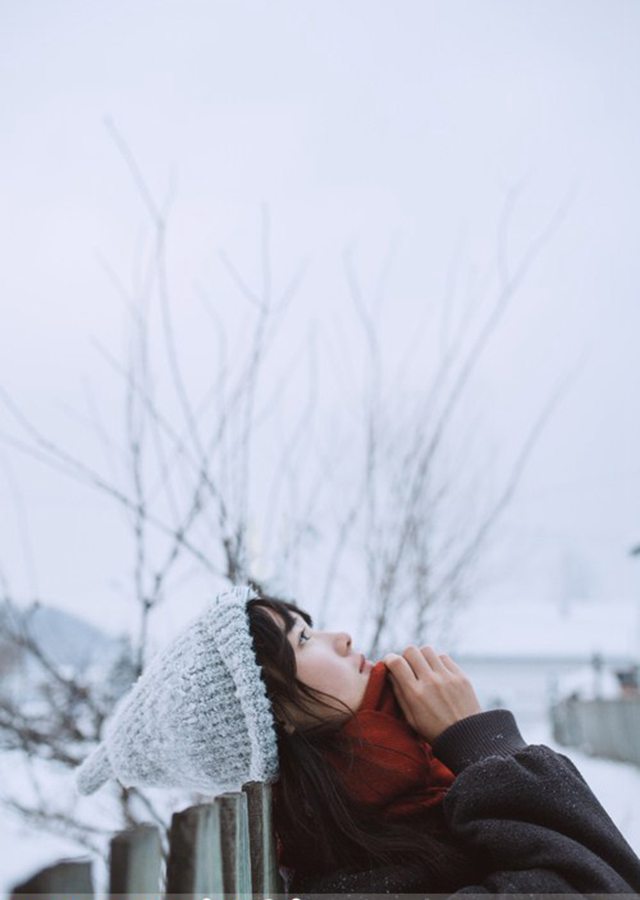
<point x="343" y="643"/>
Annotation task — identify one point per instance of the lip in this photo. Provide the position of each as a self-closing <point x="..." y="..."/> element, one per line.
<point x="365" y="664"/>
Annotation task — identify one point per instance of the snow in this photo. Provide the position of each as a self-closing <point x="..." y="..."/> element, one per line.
<point x="25" y="850"/>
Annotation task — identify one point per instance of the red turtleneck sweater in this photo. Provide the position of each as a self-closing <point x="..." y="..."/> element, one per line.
<point x="395" y="768"/>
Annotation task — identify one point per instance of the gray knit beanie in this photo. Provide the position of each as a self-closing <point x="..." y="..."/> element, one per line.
<point x="198" y="717"/>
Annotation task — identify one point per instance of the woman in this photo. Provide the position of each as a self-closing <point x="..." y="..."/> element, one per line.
<point x="519" y="818"/>
<point x="388" y="777"/>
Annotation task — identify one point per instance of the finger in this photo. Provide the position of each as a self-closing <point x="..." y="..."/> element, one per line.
<point x="399" y="669"/>
<point x="432" y="658"/>
<point x="444" y="660"/>
<point x="451" y="664"/>
<point x="420" y="666"/>
<point x="402" y="703"/>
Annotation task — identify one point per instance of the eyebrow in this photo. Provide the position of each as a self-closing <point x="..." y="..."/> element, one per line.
<point x="294" y="618"/>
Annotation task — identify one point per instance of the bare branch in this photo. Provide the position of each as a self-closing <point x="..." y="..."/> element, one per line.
<point x="461" y="379"/>
<point x="57" y="823"/>
<point x="472" y="549"/>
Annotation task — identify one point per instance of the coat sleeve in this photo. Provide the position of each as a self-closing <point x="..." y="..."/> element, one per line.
<point x="530" y="813"/>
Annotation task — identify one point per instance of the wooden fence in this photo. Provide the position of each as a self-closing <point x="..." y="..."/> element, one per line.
<point x="225" y="848"/>
<point x="609" y="728"/>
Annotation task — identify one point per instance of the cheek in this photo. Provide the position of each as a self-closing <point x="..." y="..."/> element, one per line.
<point x="311" y="670"/>
<point x="322" y="671"/>
<point x="342" y="681"/>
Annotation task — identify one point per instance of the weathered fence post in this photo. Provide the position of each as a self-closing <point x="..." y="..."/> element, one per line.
<point x="236" y="857"/>
<point x="60" y="881"/>
<point x="266" y="879"/>
<point x="209" y="850"/>
<point x="135" y="862"/>
<point x="194" y="866"/>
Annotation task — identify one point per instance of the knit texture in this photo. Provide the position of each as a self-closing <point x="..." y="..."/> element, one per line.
<point x="393" y="768"/>
<point x="478" y="736"/>
<point x="198" y="717"/>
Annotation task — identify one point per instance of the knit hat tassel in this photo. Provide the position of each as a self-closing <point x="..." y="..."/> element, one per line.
<point x="94" y="771"/>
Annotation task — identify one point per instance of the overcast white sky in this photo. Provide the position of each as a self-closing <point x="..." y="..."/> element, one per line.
<point x="373" y="124"/>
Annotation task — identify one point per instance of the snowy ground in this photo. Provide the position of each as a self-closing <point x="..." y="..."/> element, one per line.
<point x="616" y="785"/>
<point x="25" y="850"/>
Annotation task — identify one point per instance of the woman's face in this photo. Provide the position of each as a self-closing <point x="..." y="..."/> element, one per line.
<point x="326" y="661"/>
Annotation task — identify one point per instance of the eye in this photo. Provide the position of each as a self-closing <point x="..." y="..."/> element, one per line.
<point x="303" y="637"/>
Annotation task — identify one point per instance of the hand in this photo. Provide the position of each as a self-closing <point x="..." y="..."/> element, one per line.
<point x="432" y="690"/>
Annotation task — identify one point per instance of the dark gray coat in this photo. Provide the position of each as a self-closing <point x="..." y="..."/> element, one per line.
<point x="525" y="808"/>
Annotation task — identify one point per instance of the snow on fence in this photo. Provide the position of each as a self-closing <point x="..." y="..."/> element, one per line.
<point x="223" y="848"/>
<point x="606" y="727"/>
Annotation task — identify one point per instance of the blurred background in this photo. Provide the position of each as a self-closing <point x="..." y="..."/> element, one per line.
<point x="340" y="298"/>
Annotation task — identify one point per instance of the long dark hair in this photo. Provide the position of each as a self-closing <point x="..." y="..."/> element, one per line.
<point x="324" y="828"/>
